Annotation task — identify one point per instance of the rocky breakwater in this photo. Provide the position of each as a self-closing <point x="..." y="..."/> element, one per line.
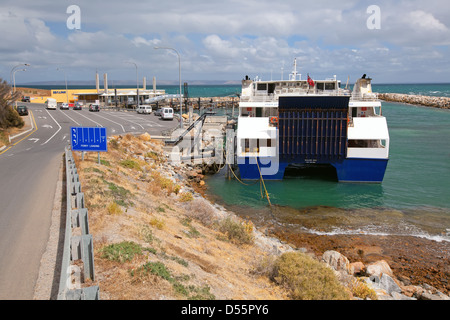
<point x="428" y="101"/>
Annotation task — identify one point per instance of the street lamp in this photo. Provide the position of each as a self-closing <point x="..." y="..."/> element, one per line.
<point x="137" y="83"/>
<point x="65" y="79"/>
<point x="14" y="77"/>
<point x="179" y="75"/>
<point x="12" y="71"/>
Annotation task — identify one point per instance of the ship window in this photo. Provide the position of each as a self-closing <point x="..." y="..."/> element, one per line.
<point x="330" y="86"/>
<point x="271" y="88"/>
<point x="320" y="86"/>
<point x="261" y="86"/>
<point x="366" y="143"/>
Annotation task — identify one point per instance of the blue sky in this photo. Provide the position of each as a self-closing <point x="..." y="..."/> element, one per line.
<point x="226" y="40"/>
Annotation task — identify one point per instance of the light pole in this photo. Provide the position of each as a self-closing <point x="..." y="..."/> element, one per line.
<point x="179" y="75"/>
<point x="137" y="84"/>
<point x="14" y="77"/>
<point x="12" y="71"/>
<point x="65" y="79"/>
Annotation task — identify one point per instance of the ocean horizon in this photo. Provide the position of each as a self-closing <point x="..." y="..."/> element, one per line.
<point x="223" y="89"/>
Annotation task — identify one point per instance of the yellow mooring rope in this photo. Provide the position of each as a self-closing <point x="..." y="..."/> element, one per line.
<point x="262" y="180"/>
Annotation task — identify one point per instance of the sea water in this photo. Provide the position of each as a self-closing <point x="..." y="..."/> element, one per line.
<point x="414" y="198"/>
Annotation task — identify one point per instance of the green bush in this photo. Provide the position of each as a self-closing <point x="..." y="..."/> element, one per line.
<point x="307" y="279"/>
<point x="121" y="252"/>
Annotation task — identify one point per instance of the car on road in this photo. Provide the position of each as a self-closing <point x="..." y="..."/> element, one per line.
<point x="64" y="106"/>
<point x="94" y="108"/>
<point x="158" y="112"/>
<point x="167" y="114"/>
<point x="26" y="99"/>
<point x="77" y="106"/>
<point x="144" y="109"/>
<point x="22" y="110"/>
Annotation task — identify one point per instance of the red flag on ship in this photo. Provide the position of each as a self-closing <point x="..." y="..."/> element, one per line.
<point x="310" y="81"/>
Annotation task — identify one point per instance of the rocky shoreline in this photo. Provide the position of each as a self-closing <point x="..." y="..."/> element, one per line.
<point x="395" y="268"/>
<point x="419" y="267"/>
<point x="428" y="101"/>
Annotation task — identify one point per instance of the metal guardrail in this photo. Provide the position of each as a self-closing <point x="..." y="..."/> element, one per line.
<point x="78" y="243"/>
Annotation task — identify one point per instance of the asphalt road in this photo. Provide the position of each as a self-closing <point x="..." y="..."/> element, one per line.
<point x="29" y="170"/>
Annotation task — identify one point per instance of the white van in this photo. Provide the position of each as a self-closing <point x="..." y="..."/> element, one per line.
<point x="144" y="109"/>
<point x="167" y="114"/>
<point x="50" y="103"/>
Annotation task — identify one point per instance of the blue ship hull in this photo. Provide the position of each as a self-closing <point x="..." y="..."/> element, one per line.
<point x="348" y="170"/>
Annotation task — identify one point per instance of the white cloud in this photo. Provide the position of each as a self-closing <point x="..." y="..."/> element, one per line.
<point x="226" y="39"/>
<point x="140" y="41"/>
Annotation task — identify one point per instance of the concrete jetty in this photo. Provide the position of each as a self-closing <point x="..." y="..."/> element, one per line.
<point x="428" y="101"/>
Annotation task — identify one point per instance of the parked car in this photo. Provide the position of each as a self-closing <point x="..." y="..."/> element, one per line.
<point x="94" y="108"/>
<point x="22" y="110"/>
<point x="64" y="106"/>
<point x="158" y="112"/>
<point x="167" y="114"/>
<point x="26" y="99"/>
<point x="77" y="106"/>
<point x="145" y="109"/>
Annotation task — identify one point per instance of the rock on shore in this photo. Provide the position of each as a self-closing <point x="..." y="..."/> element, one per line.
<point x="428" y="101"/>
<point x="379" y="277"/>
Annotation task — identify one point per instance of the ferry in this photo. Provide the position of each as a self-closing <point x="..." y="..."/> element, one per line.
<point x="306" y="122"/>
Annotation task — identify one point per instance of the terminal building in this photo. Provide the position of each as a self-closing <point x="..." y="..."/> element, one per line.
<point x="105" y="96"/>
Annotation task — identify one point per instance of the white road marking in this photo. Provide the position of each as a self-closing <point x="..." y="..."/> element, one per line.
<point x="127" y="120"/>
<point x="70" y="117"/>
<point x="50" y="126"/>
<point x="90" y="119"/>
<point x="112" y="121"/>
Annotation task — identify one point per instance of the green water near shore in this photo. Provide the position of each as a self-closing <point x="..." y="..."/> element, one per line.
<point x="414" y="198"/>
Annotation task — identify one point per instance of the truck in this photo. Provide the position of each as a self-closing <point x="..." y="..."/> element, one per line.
<point x="51" y="103"/>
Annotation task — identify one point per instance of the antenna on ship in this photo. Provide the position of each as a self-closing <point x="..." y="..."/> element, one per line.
<point x="293" y="75"/>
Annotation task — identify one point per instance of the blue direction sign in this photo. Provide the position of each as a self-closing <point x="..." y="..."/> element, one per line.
<point x="89" y="139"/>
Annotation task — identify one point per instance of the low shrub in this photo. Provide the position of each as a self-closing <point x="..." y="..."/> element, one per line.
<point x="307" y="279"/>
<point x="361" y="290"/>
<point x="236" y="232"/>
<point x="186" y="197"/>
<point x="113" y="208"/>
<point x="159" y="224"/>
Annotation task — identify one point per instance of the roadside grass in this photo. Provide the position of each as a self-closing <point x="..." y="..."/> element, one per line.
<point x="127" y="251"/>
<point x="159" y="269"/>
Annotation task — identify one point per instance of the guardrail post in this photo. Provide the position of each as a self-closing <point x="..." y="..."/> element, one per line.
<point x="76" y="247"/>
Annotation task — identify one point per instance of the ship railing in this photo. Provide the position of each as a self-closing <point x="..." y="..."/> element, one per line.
<point x="364" y="97"/>
<point x="259" y="97"/>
